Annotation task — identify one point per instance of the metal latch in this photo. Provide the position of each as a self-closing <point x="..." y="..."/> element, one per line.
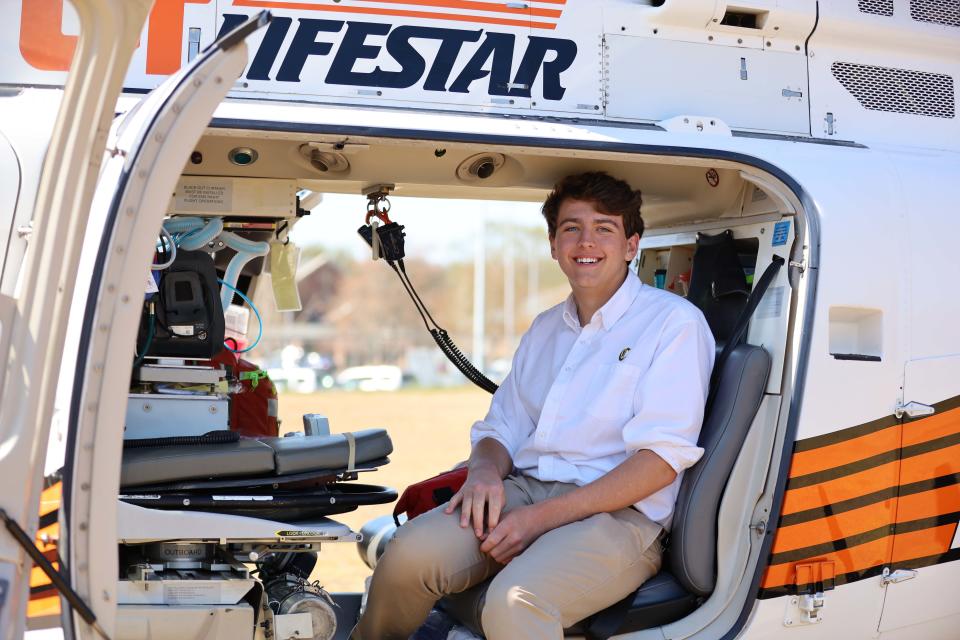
<point x="913" y="410"/>
<point x="814" y="578"/>
<point x="893" y="577"/>
<point x="804" y="609"/>
<point x="830" y="124"/>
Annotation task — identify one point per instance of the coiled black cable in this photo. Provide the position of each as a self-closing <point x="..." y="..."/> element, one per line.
<point x="440" y="335"/>
<point x="461" y="362"/>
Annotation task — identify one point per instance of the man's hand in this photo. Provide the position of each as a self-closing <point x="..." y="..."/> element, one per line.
<point x="515" y="533"/>
<point x="482" y="491"/>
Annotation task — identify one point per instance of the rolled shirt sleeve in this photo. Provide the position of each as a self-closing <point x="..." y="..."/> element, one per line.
<point x="669" y="400"/>
<point x="507" y="421"/>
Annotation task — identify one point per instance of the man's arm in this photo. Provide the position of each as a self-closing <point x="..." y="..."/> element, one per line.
<point x="489" y="464"/>
<point x="641" y="475"/>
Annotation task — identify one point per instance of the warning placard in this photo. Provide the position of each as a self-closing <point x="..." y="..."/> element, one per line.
<point x="204" y="196"/>
<point x="191" y="592"/>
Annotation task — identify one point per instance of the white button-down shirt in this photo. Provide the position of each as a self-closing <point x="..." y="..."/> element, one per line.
<point x="579" y="400"/>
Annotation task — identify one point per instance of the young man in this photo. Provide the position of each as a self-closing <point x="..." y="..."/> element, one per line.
<point x="574" y="472"/>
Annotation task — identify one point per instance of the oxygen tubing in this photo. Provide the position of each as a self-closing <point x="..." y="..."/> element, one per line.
<point x="198" y="233"/>
<point x="246" y="250"/>
<point x="198" y="239"/>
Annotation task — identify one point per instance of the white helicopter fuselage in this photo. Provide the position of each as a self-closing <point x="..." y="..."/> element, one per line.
<point x="823" y="133"/>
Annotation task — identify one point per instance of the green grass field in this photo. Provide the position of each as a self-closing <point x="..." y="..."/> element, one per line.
<point x="430" y="432"/>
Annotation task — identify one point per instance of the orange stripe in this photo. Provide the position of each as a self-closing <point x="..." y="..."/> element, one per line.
<point x="38" y="578"/>
<point x="477" y="6"/>
<point x="932" y="541"/>
<point x="842" y="453"/>
<point x="50" y="499"/>
<point x="836" y="527"/>
<point x="928" y="504"/>
<point x="936" y="426"/>
<point x="854" y="485"/>
<point x="49" y="606"/>
<point x="260" y="4"/>
<point x="923" y="543"/>
<point x="930" y="465"/>
<point x="858" y="558"/>
<point x="53" y="534"/>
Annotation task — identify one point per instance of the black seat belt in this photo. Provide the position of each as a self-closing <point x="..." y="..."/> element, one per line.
<point x="740" y="326"/>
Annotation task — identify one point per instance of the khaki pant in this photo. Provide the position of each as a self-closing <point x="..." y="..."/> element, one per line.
<point x="564" y="576"/>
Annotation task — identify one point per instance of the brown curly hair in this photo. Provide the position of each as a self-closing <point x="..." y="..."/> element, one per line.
<point x="608" y="194"/>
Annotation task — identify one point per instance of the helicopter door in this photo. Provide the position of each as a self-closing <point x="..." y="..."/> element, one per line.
<point x="927" y="542"/>
<point x="35" y="317"/>
<point x="91" y="245"/>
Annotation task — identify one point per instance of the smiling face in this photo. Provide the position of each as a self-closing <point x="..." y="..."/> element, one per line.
<point x="593" y="252"/>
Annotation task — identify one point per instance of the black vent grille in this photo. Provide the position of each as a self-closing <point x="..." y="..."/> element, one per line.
<point x="897" y="90"/>
<point x="936" y="11"/>
<point x="878" y="7"/>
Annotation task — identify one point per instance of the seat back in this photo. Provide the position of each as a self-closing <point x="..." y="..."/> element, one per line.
<point x="730" y="412"/>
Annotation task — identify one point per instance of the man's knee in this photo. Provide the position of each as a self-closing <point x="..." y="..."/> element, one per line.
<point x="429" y="553"/>
<point x="411" y="550"/>
<point x="510" y="606"/>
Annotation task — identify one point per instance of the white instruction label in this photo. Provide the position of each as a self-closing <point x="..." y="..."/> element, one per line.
<point x="191" y="592"/>
<point x="151" y="285"/>
<point x="772" y="304"/>
<point x="181" y="329"/>
<point x="205" y="196"/>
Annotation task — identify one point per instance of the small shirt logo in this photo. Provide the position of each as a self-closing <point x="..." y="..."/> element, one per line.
<point x="623" y="354"/>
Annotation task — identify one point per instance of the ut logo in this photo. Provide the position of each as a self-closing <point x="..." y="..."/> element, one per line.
<point x="44" y="46"/>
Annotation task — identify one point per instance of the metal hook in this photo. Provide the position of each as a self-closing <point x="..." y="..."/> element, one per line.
<point x="377" y="203"/>
<point x="379" y="206"/>
<point x="285" y="227"/>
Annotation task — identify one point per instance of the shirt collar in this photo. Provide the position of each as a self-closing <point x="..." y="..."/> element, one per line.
<point x="614" y="308"/>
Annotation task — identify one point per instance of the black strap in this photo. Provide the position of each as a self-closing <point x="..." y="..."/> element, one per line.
<point x="58" y="581"/>
<point x="740" y="326"/>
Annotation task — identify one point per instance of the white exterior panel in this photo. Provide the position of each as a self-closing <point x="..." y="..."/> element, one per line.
<point x="656" y="79"/>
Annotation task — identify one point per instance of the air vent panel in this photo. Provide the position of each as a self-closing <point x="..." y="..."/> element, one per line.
<point x="898" y="90"/>
<point x="876" y="7"/>
<point x="946" y="12"/>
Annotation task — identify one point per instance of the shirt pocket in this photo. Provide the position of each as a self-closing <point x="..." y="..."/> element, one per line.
<point x="611" y="390"/>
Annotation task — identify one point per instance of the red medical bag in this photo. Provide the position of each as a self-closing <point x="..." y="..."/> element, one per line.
<point x="430" y="493"/>
<point x="253" y="409"/>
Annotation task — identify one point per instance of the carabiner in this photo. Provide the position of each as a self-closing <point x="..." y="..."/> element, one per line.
<point x="378" y="206"/>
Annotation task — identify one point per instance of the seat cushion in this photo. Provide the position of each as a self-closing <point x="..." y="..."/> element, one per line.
<point x="154" y="465"/>
<point x="660" y="600"/>
<point x="307" y="453"/>
<point x="251" y="457"/>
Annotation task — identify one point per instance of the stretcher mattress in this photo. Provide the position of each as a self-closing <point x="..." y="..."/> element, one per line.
<point x="255" y="459"/>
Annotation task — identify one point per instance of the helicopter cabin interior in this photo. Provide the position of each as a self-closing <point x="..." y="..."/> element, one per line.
<point x="249" y="181"/>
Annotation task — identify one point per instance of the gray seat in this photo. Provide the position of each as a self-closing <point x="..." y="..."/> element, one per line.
<point x="689" y="572"/>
